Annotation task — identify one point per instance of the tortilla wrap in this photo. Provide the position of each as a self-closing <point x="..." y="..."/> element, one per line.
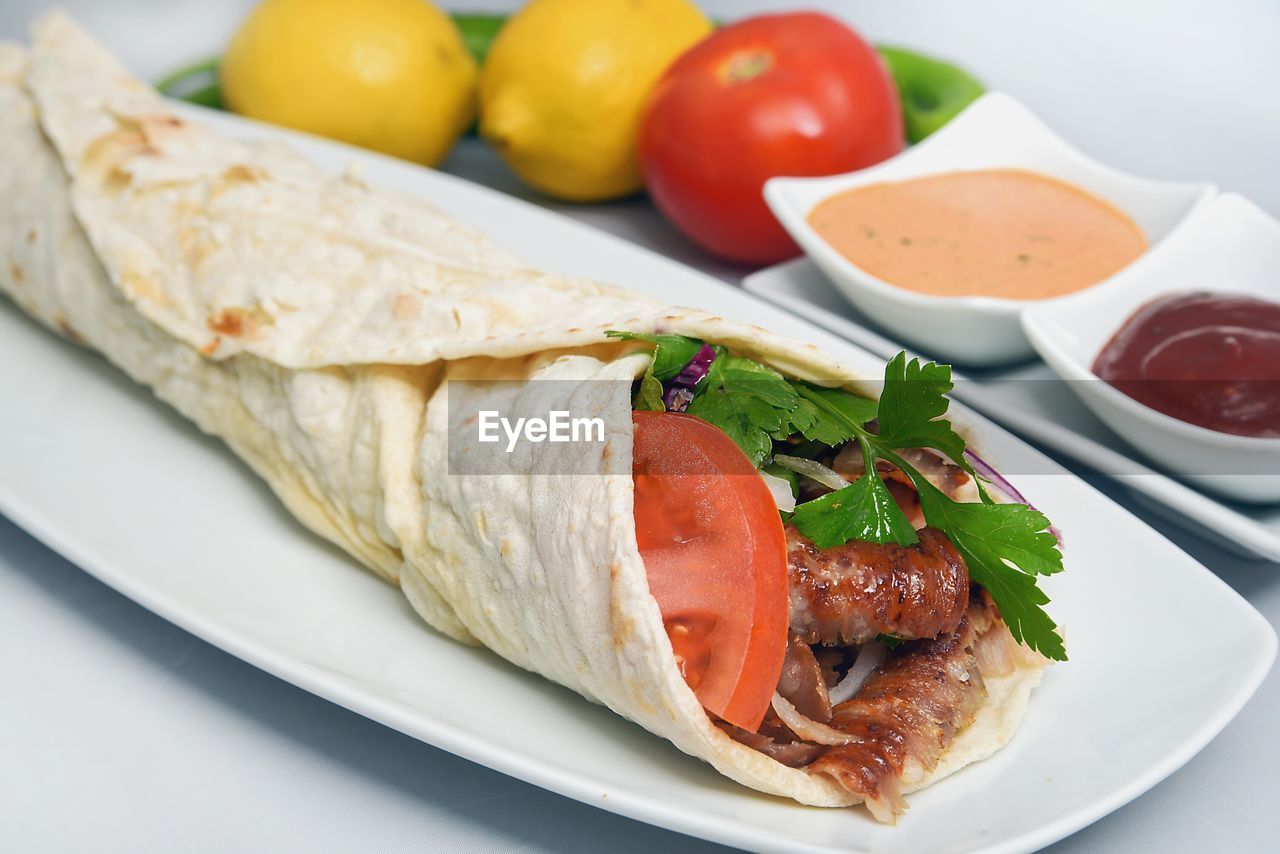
<point x="316" y="325"/>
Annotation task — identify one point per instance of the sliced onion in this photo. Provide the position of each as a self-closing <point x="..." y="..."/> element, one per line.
<point x="1003" y="486"/>
<point x="781" y="491"/>
<point x="807" y="728"/>
<point x="870" y="656"/>
<point x="812" y="469"/>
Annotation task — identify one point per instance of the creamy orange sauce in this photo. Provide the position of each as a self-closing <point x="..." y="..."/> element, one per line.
<point x="992" y="232"/>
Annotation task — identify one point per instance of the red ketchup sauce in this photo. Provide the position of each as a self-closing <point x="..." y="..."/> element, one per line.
<point x="1207" y="359"/>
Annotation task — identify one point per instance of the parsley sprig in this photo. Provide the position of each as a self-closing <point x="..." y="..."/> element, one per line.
<point x="1006" y="546"/>
<point x="670" y="354"/>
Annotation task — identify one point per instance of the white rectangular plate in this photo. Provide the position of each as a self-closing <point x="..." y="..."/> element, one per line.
<point x="1030" y="400"/>
<point x="117" y="483"/>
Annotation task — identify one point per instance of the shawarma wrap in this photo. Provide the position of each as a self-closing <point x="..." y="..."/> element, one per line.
<point x="336" y="336"/>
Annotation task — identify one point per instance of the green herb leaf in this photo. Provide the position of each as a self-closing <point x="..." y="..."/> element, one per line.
<point x="863" y="510"/>
<point x="837" y="415"/>
<point x="731" y="414"/>
<point x="748" y="378"/>
<point x="1009" y="535"/>
<point x="648" y="395"/>
<point x="1005" y="546"/>
<point x="890" y="641"/>
<point x="802" y="419"/>
<point x="670" y="352"/>
<point x="1020" y="602"/>
<point x="749" y="401"/>
<point x="913" y="400"/>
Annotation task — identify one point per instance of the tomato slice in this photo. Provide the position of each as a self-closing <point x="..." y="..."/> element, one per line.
<point x="716" y="557"/>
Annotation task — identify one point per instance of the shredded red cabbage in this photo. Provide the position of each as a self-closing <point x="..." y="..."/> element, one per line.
<point x="678" y="391"/>
<point x="677" y="398"/>
<point x="985" y="470"/>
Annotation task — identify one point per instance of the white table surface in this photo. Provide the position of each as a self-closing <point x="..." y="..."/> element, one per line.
<point x="121" y="732"/>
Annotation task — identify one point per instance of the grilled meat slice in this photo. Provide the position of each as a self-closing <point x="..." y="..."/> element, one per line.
<point x="774" y="740"/>
<point x="849" y="594"/>
<point x="909" y="712"/>
<point x="802" y="683"/>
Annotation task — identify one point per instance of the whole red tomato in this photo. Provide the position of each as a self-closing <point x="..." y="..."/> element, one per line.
<point x="789" y="94"/>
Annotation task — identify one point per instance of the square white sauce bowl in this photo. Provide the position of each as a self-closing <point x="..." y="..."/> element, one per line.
<point x="995" y="132"/>
<point x="1228" y="246"/>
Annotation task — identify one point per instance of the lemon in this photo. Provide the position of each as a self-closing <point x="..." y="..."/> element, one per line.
<point x="566" y="81"/>
<point x="391" y="75"/>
